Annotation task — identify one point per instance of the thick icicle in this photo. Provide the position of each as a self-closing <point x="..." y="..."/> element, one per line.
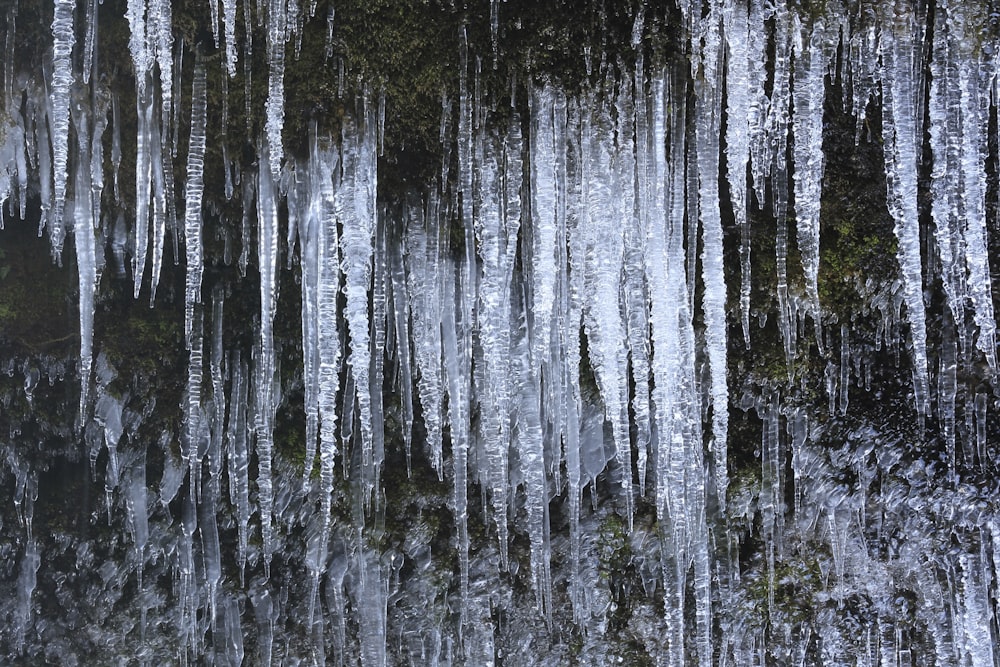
<point x="902" y="102"/>
<point x="277" y="34"/>
<point x="708" y="112"/>
<point x="63" y="39"/>
<point x="743" y="94"/>
<point x="355" y="203"/>
<point x="812" y="60"/>
<point x="547" y="127"/>
<point x="493" y="233"/>
<point x="601" y="231"/>
<point x="423" y="266"/>
<point x="86" y="252"/>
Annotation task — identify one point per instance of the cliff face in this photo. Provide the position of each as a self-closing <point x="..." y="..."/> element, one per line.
<point x="511" y="333"/>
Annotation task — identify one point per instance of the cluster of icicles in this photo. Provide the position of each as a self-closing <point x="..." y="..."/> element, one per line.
<point x="587" y="224"/>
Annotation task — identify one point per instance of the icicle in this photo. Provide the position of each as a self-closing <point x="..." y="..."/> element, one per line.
<point x="90" y="39"/>
<point x="459" y="402"/>
<point x="143" y="180"/>
<point x="116" y="143"/>
<point x="63" y="40"/>
<point x="423" y="279"/>
<point x="267" y="257"/>
<point x="902" y="101"/>
<point x="601" y="230"/>
<point x="975" y="87"/>
<point x="742" y="117"/>
<point x="86" y="252"/>
<point x="812" y="60"/>
<point x="708" y="88"/>
<point x="328" y="331"/>
<point x="210" y="547"/>
<point x="229" y="23"/>
<point x="636" y="297"/>
<point x="239" y="462"/>
<point x="277" y="33"/>
<point x="378" y="341"/>
<point x="193" y="197"/>
<point x="675" y="395"/>
<point x="27" y="579"/>
<point x="531" y="460"/>
<point x="547" y="118"/>
<point x="401" y="314"/>
<point x="355" y="205"/>
<point x="217" y="369"/>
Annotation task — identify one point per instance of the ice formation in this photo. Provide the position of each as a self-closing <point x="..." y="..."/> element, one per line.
<point x="547" y="321"/>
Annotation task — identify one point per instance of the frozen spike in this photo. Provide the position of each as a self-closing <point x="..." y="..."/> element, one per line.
<point x="229" y="25"/>
<point x="239" y="462"/>
<point x="264" y="404"/>
<point x="116" y="143"/>
<point x="277" y="34"/>
<point x="531" y="461"/>
<point x="138" y="43"/>
<point x="495" y="227"/>
<point x="602" y="234"/>
<point x="902" y="103"/>
<point x="355" y="206"/>
<point x="160" y="34"/>
<point x="27" y="579"/>
<point x="63" y="40"/>
<point x="401" y="314"/>
<point x="86" y="251"/>
<point x="193" y="197"/>
<point x="812" y="61"/>
<point x="708" y="112"/>
<point x="459" y="397"/>
<point x="90" y="39"/>
<point x="423" y="280"/>
<point x="146" y="135"/>
<point x="159" y="203"/>
<point x="636" y="296"/>
<point x="548" y="108"/>
<point x="217" y="370"/>
<point x="744" y="93"/>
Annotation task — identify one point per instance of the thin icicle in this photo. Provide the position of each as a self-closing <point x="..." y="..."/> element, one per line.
<point x="453" y="332"/>
<point x="238" y="458"/>
<point x="193" y="197"/>
<point x="267" y="254"/>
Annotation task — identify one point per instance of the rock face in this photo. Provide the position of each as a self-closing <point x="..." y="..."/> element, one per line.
<point x="522" y="333"/>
